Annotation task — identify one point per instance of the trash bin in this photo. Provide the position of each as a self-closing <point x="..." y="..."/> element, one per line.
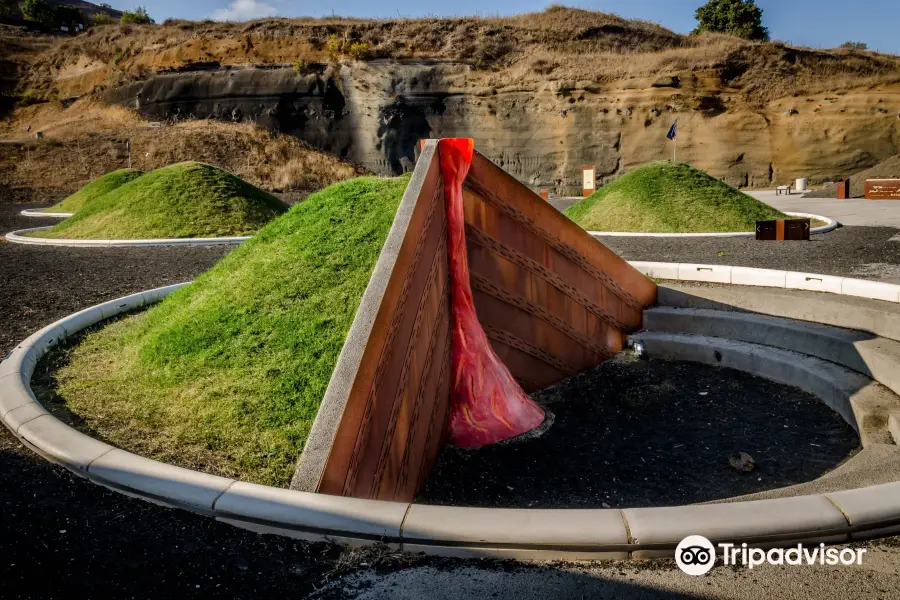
<point x="802" y="184"/>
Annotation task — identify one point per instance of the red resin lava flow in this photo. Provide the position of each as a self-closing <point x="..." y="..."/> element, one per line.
<point x="486" y="404"/>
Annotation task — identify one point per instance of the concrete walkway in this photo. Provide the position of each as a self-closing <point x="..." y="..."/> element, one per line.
<point x="857" y="211"/>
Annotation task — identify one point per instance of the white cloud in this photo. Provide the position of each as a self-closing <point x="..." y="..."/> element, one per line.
<point x="244" y="10"/>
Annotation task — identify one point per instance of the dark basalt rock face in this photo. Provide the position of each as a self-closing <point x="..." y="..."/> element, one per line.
<point x="379" y="130"/>
<point x="371" y="113"/>
<point x="541" y="131"/>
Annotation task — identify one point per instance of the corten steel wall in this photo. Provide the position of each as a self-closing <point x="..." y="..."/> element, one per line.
<point x="553" y="300"/>
<point x="384" y="414"/>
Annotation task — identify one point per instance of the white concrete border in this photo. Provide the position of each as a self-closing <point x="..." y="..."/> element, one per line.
<point x="533" y="534"/>
<point x="830" y="225"/>
<point x="18" y="237"/>
<point x="47" y="215"/>
<point x="791" y="280"/>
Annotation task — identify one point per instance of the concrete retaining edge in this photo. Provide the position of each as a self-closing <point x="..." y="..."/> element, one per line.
<point x="791" y="280"/>
<point x="830" y="225"/>
<point x="47" y="215"/>
<point x="528" y="534"/>
<point x="17" y="237"/>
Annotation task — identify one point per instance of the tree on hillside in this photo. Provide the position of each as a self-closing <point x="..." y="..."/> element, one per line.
<point x="742" y="18"/>
<point x="9" y="9"/>
<point x="137" y="16"/>
<point x="39" y="11"/>
<point x="855" y="46"/>
<point x="69" y="16"/>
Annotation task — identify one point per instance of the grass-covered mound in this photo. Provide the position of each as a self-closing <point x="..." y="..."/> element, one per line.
<point x="664" y="197"/>
<point x="98" y="187"/>
<point x="185" y="200"/>
<point x="226" y="375"/>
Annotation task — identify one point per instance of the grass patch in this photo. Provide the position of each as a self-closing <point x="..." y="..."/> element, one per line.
<point x="189" y="199"/>
<point x="664" y="197"/>
<point x="98" y="187"/>
<point x="227" y="374"/>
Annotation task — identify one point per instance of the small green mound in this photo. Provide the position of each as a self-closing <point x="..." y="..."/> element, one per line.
<point x="226" y="375"/>
<point x="95" y="189"/>
<point x="185" y="200"/>
<point x="670" y="198"/>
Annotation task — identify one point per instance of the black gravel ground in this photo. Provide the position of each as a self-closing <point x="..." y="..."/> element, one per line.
<point x="63" y="537"/>
<point x="633" y="433"/>
<point x="842" y="252"/>
<point x="40" y="284"/>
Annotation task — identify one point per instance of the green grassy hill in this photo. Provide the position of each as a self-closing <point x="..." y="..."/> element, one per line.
<point x="670" y="198"/>
<point x="226" y="375"/>
<point x="188" y="199"/>
<point x="95" y="189"/>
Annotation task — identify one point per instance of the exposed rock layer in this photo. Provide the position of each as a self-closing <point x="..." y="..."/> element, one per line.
<point x="374" y="113"/>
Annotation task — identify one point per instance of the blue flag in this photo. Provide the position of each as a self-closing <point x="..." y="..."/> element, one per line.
<point x="673" y="131"/>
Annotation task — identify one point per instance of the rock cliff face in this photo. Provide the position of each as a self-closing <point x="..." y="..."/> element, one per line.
<point x="374" y="113"/>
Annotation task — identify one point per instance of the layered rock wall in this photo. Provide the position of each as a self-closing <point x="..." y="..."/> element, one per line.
<point x="374" y="112"/>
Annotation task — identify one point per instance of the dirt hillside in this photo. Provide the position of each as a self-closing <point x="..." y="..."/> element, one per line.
<point x="90" y="139"/>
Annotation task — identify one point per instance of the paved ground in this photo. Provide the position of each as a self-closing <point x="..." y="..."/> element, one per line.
<point x="856" y="211"/>
<point x="877" y="578"/>
<point x="63" y="537"/>
<point x="864" y="252"/>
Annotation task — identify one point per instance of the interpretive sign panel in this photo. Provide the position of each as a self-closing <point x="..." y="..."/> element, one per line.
<point x="883" y="189"/>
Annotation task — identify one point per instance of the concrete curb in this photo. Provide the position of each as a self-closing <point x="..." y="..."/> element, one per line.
<point x="791" y="280"/>
<point x="17" y="237"/>
<point x="532" y="534"/>
<point x="46" y="215"/>
<point x="830" y="225"/>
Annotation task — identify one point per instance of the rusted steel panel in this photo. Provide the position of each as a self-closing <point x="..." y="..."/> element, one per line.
<point x="842" y="189"/>
<point x="552" y="300"/>
<point x="374" y="435"/>
<point x="883" y="189"/>
<point x="568" y="299"/>
<point x="783" y="229"/>
<point x="797" y="229"/>
<point x="767" y="230"/>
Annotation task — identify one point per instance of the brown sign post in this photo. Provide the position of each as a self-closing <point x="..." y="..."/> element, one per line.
<point x="882" y="189"/>
<point x="783" y="229"/>
<point x="843" y="189"/>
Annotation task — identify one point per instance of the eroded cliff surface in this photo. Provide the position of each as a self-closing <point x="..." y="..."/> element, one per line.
<point x="543" y="133"/>
<point x="542" y="94"/>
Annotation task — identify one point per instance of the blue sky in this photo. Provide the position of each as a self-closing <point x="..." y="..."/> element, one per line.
<point x="815" y="23"/>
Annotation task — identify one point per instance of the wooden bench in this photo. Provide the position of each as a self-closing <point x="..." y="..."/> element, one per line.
<point x="786" y="189"/>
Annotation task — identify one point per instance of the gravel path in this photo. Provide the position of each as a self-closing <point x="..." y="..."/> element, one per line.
<point x="63" y="537"/>
<point x="39" y="284"/>
<point x="673" y="427"/>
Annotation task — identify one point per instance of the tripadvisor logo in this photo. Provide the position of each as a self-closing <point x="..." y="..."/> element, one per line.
<point x="696" y="555"/>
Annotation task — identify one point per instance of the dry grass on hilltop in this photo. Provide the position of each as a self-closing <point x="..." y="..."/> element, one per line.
<point x="89" y="139"/>
<point x="556" y="44"/>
